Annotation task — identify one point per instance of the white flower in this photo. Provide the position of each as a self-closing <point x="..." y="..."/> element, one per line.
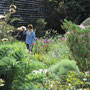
<point x="10" y="31"/>
<point x="40" y="70"/>
<point x="21" y="28"/>
<point x="13" y="7"/>
<point x="45" y="70"/>
<point x="80" y="89"/>
<point x="35" y="71"/>
<point x="85" y="88"/>
<point x="84" y="79"/>
<point x="5" y="39"/>
<point x="69" y="84"/>
<point x="1" y="80"/>
<point x="12" y="11"/>
<point x="2" y="85"/>
<point x="2" y="17"/>
<point x="51" y="85"/>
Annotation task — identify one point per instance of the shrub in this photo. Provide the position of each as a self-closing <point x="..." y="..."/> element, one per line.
<point x="5" y="28"/>
<point x="51" y="33"/>
<point x="66" y="25"/>
<point x="30" y="82"/>
<point x="75" y="81"/>
<point x="40" y="26"/>
<point x="63" y="67"/>
<point x="15" y="63"/>
<point x="79" y="43"/>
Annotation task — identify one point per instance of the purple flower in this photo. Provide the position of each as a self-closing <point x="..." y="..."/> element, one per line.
<point x="57" y="50"/>
<point x="65" y="38"/>
<point x="36" y="39"/>
<point x="44" y="41"/>
<point x="48" y="41"/>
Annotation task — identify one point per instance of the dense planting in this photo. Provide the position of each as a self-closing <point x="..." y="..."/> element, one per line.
<point x="57" y="62"/>
<point x="45" y="68"/>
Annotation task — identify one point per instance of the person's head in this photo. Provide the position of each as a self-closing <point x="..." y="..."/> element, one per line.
<point x="30" y="27"/>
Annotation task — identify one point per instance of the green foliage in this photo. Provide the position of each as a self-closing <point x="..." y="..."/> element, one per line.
<point x="66" y="9"/>
<point x="50" y="33"/>
<point x="4" y="28"/>
<point x="6" y="22"/>
<point x="63" y="67"/>
<point x="8" y="27"/>
<point x="75" y="81"/>
<point x="23" y="70"/>
<point x="31" y="82"/>
<point x="58" y="52"/>
<point x="51" y="51"/>
<point x="79" y="43"/>
<point x="15" y="63"/>
<point x="66" y="25"/>
<point x="40" y="26"/>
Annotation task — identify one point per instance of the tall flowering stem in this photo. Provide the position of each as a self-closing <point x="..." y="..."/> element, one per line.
<point x="6" y="18"/>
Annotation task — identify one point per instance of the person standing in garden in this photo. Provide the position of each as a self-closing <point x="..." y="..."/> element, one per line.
<point x="30" y="37"/>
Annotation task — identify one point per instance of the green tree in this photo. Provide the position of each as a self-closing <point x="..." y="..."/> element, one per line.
<point x="74" y="10"/>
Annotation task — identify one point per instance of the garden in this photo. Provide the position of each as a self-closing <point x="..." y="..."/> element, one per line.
<point x="57" y="62"/>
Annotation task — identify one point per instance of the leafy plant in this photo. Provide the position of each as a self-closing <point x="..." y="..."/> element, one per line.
<point x="15" y="63"/>
<point x="74" y="80"/>
<point x="7" y="20"/>
<point x="40" y="26"/>
<point x="79" y="43"/>
<point x="63" y="67"/>
<point x="66" y="25"/>
<point x="51" y="33"/>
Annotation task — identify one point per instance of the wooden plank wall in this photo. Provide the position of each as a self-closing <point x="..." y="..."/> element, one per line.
<point x="28" y="10"/>
<point x="3" y="8"/>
